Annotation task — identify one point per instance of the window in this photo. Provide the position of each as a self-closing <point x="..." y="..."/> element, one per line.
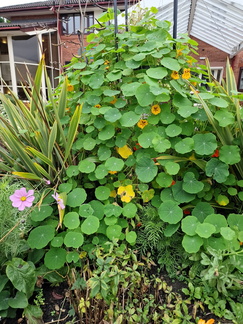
<point x="72" y="23"/>
<point x="240" y="84"/>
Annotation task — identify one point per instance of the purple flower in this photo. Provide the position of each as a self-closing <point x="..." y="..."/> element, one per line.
<point x="59" y="200"/>
<point x="22" y="198"/>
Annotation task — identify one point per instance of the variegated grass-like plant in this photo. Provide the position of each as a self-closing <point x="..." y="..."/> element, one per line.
<point x="34" y="142"/>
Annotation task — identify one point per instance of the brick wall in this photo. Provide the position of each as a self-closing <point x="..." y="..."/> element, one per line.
<point x="216" y="57"/>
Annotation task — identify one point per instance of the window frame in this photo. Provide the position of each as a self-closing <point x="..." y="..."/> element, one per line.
<point x="240" y="80"/>
<point x="72" y="17"/>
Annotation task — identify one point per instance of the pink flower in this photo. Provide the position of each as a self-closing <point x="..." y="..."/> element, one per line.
<point x="22" y="198"/>
<point x="59" y="200"/>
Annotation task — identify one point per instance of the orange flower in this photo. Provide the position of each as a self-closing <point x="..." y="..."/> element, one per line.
<point x="175" y="75"/>
<point x="186" y="74"/>
<point x="172" y="183"/>
<point x="70" y="87"/>
<point x="155" y="110"/>
<point x="142" y="123"/>
<point x="98" y="106"/>
<point x="113" y="101"/>
<point x="106" y="62"/>
<point x="210" y="321"/>
<point x="179" y="52"/>
<point x="107" y="67"/>
<point x="216" y="153"/>
<point x="112" y="172"/>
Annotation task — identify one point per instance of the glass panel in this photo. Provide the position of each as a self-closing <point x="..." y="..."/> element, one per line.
<point x="77" y="23"/>
<point x="25" y="49"/>
<point x="70" y="28"/>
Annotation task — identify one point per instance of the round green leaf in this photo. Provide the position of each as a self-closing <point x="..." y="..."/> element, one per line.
<point x="130" y="210"/>
<point x="112" y="115"/>
<point x="102" y="193"/>
<point x="113" y="231"/>
<point x="74" y="239"/>
<point x="55" y="258"/>
<point x="217" y="220"/>
<point x="66" y="187"/>
<point x="202" y="210"/>
<point x="98" y="208"/>
<point x="144" y="96"/>
<point x="230" y="154"/>
<point x="131" y="237"/>
<point x="173" y="130"/>
<point x="224" y="117"/>
<point x="146" y="169"/>
<point x="227" y="233"/>
<point x="114" y="164"/>
<point x="40" y="236"/>
<point x="103" y="153"/>
<point x="170" y="63"/>
<point x="86" y="166"/>
<point x="171" y="229"/>
<point x="57" y="241"/>
<point x="170" y="212"/>
<point x="72" y="257"/>
<point x="157" y="73"/>
<point x="219" y="102"/>
<point x="217" y="169"/>
<point x="160" y="144"/>
<point x="112" y="210"/>
<point x="38" y="215"/>
<point x="89" y="143"/>
<point x="186" y="111"/>
<point x="235" y="221"/>
<point x="172" y="168"/>
<point x="205" y="230"/>
<point x="129" y="119"/>
<point x="192" y="244"/>
<point x="185" y="145"/>
<point x="191" y="184"/>
<point x="101" y="171"/>
<point x="72" y="171"/>
<point x="106" y="133"/>
<point x="167" y="117"/>
<point x="205" y="144"/>
<point x="164" y="180"/>
<point x="189" y="225"/>
<point x="129" y="89"/>
<point x="76" y="197"/>
<point x="90" y="225"/>
<point x="180" y="194"/>
<point x="145" y="139"/>
<point x="71" y="220"/>
<point x="85" y="210"/>
<point x="110" y="220"/>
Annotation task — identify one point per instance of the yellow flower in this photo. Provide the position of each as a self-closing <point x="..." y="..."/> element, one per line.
<point x="190" y="62"/>
<point x="155" y="109"/>
<point x="124" y="151"/>
<point x="186" y="74"/>
<point x="98" y="106"/>
<point x="112" y="172"/>
<point x="142" y="123"/>
<point x="126" y="193"/>
<point x="70" y="87"/>
<point x="113" y="194"/>
<point x="175" y="75"/>
<point x="113" y="101"/>
<point x="106" y="62"/>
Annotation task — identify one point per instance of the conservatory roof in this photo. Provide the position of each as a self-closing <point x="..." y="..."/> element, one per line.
<point x="216" y="22"/>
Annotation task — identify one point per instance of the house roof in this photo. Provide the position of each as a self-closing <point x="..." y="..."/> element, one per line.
<point x="50" y="3"/>
<point x="216" y="22"/>
<point x="20" y="24"/>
